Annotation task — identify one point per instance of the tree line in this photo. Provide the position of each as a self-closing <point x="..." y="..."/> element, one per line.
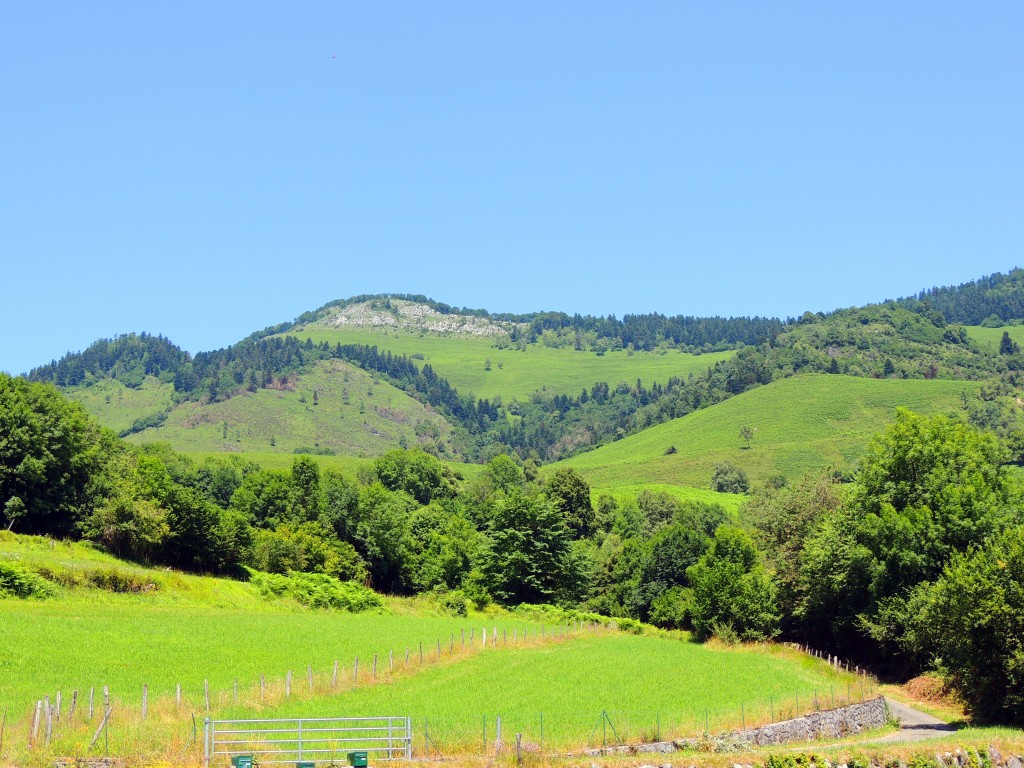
<point x="920" y="558"/>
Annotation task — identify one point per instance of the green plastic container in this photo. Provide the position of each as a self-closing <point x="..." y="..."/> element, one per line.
<point x="357" y="759"/>
<point x="241" y="761"/>
<point x="305" y="764"/>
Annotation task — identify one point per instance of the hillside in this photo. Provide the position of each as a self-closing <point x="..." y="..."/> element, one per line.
<point x="803" y="423"/>
<point x="330" y="406"/>
<point x="466" y="384"/>
<point x="490" y="368"/>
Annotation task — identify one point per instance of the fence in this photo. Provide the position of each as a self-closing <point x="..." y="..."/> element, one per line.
<point x="308" y="739"/>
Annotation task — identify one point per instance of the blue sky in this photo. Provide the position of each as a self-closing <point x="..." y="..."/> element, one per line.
<point x="203" y="170"/>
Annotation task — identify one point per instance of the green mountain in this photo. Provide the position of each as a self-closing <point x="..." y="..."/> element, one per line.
<point x="361" y="376"/>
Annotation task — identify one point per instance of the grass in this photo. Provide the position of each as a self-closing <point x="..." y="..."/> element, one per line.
<point x="647" y="686"/>
<point x="518" y="373"/>
<point x="989" y="338"/>
<point x="117" y="406"/>
<point x="803" y="424"/>
<point x="184" y="629"/>
<point x="188" y="630"/>
<point x="354" y="414"/>
<point x="730" y="501"/>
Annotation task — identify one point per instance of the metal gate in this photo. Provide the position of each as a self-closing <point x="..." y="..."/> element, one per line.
<point x="320" y="740"/>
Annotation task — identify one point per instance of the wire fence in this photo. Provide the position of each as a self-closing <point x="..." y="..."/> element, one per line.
<point x="542" y="732"/>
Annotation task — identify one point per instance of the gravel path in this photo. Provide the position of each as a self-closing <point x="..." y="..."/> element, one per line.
<point x="914" y="724"/>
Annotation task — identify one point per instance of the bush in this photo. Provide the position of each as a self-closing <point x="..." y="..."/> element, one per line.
<point x="455" y="603"/>
<point x="16" y="581"/>
<point x="108" y="579"/>
<point x="317" y="590"/>
<point x="728" y="478"/>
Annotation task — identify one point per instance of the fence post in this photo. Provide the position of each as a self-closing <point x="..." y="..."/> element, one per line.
<point x="206" y="742"/>
<point x="497" y="734"/>
<point x="35" y="721"/>
<point x="145" y="700"/>
<point x="103" y="725"/>
<point x="206" y="693"/>
<point x="300" y="740"/>
<point x="74" y="703"/>
<point x="92" y="691"/>
<point x="334" y="675"/>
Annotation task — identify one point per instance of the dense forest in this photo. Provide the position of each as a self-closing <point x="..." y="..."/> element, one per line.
<point x="920" y="557"/>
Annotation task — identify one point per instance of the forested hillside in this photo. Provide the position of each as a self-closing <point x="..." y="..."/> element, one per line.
<point x="911" y="338"/>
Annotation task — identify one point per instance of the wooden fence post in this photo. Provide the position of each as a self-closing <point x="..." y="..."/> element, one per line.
<point x="49" y="720"/>
<point x="177" y="695"/>
<point x="103" y="724"/>
<point x="206" y="693"/>
<point x="92" y="691"/>
<point x="57" y="708"/>
<point x="74" y="703"/>
<point x="145" y="700"/>
<point x="35" y="721"/>
<point x="334" y="675"/>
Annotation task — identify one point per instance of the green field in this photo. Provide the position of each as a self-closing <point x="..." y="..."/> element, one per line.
<point x="519" y="373"/>
<point x="642" y="683"/>
<point x="117" y="406"/>
<point x="730" y="501"/>
<point x="185" y="629"/>
<point x="988" y="338"/>
<point x="354" y="414"/>
<point x="803" y="423"/>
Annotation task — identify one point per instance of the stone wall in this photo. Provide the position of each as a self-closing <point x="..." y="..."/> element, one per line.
<point x="828" y="724"/>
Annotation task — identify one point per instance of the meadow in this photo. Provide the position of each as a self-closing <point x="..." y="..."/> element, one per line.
<point x="182" y="629"/>
<point x="352" y="413"/>
<point x="518" y="373"/>
<point x="117" y="406"/>
<point x="803" y="424"/>
<point x="190" y="631"/>
<point x="596" y="686"/>
<point x="989" y="338"/>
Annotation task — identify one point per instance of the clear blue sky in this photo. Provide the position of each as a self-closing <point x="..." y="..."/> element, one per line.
<point x="203" y="170"/>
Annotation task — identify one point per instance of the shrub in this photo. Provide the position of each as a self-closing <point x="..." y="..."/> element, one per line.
<point x="728" y="478"/>
<point x="317" y="590"/>
<point x="16" y="581"/>
<point x="455" y="603"/>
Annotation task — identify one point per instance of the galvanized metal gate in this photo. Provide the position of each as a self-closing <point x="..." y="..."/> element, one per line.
<point x="319" y="740"/>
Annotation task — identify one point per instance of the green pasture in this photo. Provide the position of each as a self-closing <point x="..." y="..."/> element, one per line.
<point x="355" y="413"/>
<point x="189" y="629"/>
<point x="730" y="501"/>
<point x="988" y="339"/>
<point x="646" y="685"/>
<point x="518" y="373"/>
<point x="117" y="406"/>
<point x="803" y="423"/>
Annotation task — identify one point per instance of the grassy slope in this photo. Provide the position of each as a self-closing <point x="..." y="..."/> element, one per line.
<point x="117" y="406"/>
<point x="988" y="338"/>
<point x="374" y="420"/>
<point x="187" y="629"/>
<point x="190" y="629"/>
<point x="802" y="423"/>
<point x="639" y="681"/>
<point x="461" y="360"/>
